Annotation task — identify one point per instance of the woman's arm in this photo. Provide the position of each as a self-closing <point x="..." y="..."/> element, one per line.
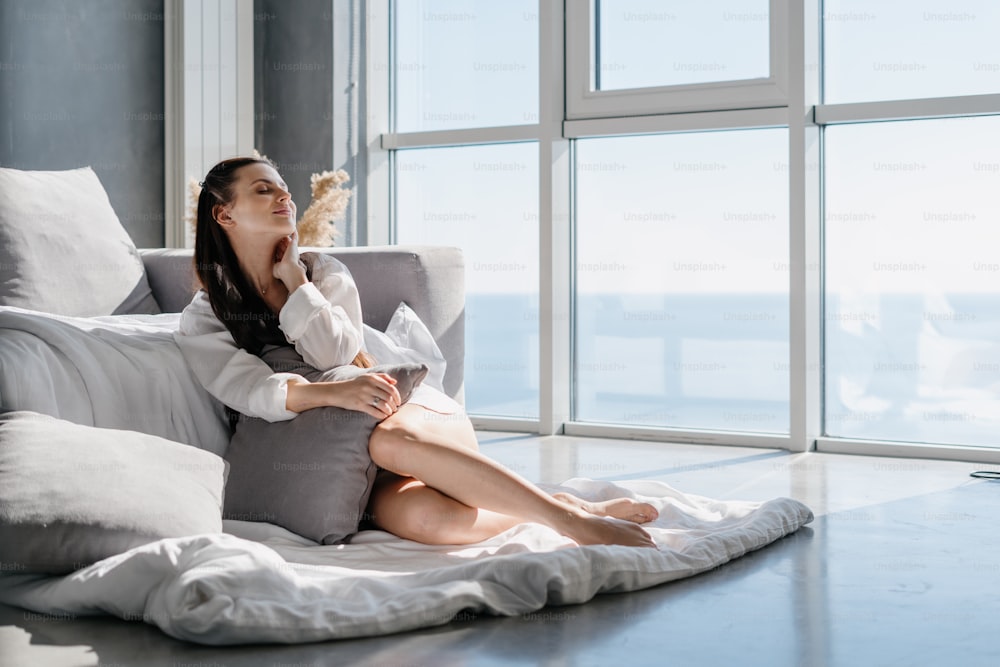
<point x="247" y="384"/>
<point x="319" y="324"/>
<point x="322" y="318"/>
<point x="235" y="377"/>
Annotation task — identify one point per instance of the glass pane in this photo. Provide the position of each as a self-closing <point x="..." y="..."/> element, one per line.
<point x="913" y="281"/>
<point x="645" y="43"/>
<point x="889" y="50"/>
<point x="465" y="63"/>
<point x="682" y="280"/>
<point x="484" y="199"/>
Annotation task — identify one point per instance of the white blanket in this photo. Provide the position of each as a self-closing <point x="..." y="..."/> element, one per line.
<point x="224" y="589"/>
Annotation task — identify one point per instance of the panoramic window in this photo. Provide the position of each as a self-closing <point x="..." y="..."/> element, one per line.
<point x="682" y="280"/>
<point x="674" y="182"/>
<point x="460" y="65"/>
<point x="913" y="281"/>
<point x="483" y="199"/>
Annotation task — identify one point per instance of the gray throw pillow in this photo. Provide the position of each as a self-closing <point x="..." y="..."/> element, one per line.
<point x="63" y="249"/>
<point x="311" y="474"/>
<point x="71" y="495"/>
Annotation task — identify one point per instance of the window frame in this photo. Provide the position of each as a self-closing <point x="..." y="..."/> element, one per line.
<point x="582" y="101"/>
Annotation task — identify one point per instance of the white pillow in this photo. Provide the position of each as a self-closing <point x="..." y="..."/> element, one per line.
<point x="63" y="249"/>
<point x="71" y="495"/>
<point x="408" y="340"/>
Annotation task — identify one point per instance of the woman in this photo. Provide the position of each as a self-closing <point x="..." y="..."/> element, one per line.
<point x="435" y="487"/>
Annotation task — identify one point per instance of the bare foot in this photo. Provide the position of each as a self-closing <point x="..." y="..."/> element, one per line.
<point x="618" y="508"/>
<point x="586" y="528"/>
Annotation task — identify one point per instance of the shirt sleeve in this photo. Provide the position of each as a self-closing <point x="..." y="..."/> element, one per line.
<point x="239" y="379"/>
<point x="322" y="318"/>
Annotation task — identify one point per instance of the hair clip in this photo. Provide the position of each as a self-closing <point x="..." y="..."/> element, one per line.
<point x="201" y="184"/>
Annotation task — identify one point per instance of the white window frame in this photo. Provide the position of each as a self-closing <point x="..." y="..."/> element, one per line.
<point x="582" y="101"/>
<point x="208" y="98"/>
<point x="790" y="98"/>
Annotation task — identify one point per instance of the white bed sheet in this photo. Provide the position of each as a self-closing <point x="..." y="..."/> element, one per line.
<point x="225" y="589"/>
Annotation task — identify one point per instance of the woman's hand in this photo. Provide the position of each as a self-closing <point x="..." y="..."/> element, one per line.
<point x="372" y="393"/>
<point x="357" y="394"/>
<point x="287" y="266"/>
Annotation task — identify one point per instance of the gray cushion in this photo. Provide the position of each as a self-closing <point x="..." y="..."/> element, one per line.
<point x="63" y="249"/>
<point x="311" y="474"/>
<point x="71" y="495"/>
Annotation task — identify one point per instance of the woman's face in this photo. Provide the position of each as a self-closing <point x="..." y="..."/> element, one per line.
<point x="261" y="202"/>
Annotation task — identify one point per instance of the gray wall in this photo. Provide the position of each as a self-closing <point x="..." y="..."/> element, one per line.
<point x="293" y="102"/>
<point x="81" y="83"/>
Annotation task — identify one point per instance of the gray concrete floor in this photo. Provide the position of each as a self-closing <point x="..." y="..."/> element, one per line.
<point x="900" y="567"/>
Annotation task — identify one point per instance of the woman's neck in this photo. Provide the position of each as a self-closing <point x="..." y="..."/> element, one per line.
<point x="256" y="263"/>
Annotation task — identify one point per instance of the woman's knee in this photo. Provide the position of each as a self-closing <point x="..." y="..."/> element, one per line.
<point x="411" y="430"/>
<point x="391" y="439"/>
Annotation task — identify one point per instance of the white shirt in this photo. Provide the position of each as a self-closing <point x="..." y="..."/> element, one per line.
<point x="322" y="319"/>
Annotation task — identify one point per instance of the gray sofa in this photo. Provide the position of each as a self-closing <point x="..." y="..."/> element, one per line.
<point x="430" y="279"/>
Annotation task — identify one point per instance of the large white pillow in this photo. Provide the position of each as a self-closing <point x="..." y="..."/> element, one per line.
<point x="71" y="495"/>
<point x="63" y="249"/>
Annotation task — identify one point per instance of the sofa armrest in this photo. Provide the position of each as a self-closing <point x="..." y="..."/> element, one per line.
<point x="430" y="279"/>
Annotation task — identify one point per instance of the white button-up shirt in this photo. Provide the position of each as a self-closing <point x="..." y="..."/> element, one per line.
<point x="322" y="319"/>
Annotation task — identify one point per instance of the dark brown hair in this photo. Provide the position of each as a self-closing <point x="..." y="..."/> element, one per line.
<point x="234" y="301"/>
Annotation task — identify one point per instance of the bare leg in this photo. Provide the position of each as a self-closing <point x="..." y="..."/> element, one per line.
<point x="412" y="445"/>
<point x="408" y="508"/>
<point x="463" y="434"/>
